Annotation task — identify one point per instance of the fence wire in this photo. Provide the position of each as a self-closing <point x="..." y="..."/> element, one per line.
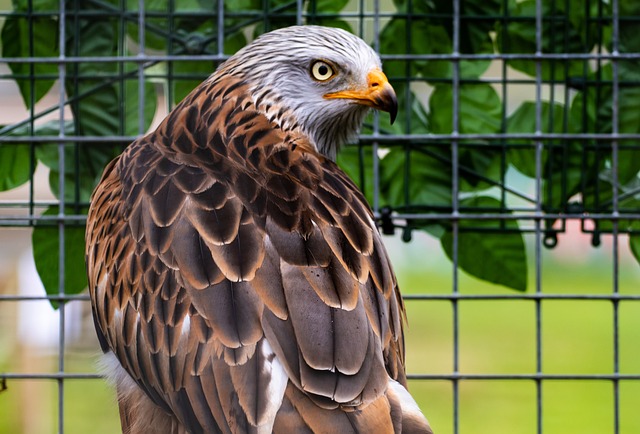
<point x="162" y="48"/>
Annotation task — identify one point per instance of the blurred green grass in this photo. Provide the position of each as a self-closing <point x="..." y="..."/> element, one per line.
<point x="499" y="337"/>
<point x="31" y="406"/>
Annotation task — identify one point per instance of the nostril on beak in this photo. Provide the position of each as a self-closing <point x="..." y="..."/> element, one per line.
<point x="375" y="84"/>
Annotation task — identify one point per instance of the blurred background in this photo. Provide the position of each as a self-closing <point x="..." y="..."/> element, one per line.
<point x="511" y="213"/>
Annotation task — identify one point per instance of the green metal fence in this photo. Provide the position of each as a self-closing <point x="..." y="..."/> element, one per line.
<point x="518" y="132"/>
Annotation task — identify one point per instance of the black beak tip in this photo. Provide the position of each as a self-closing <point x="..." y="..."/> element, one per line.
<point x="393" y="108"/>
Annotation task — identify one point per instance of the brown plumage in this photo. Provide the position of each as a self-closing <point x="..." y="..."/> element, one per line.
<point x="236" y="273"/>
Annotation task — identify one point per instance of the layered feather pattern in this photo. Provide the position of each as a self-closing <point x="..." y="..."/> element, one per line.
<point x="239" y="279"/>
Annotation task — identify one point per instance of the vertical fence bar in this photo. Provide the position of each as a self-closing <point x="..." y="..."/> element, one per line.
<point x="170" y="69"/>
<point x="615" y="96"/>
<point x="538" y="222"/>
<point x="376" y="115"/>
<point x="32" y="109"/>
<point x="220" y="27"/>
<point x="455" y="222"/>
<point x="299" y="8"/>
<point x="61" y="214"/>
<point x="141" y="56"/>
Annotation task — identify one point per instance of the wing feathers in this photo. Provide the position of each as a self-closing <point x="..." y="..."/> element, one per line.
<point x="239" y="278"/>
<point x="334" y="285"/>
<point x="268" y="285"/>
<point x="232" y="310"/>
<point x="309" y="249"/>
<point x="218" y="226"/>
<point x="260" y="384"/>
<point x="312" y="320"/>
<point x="195" y="261"/>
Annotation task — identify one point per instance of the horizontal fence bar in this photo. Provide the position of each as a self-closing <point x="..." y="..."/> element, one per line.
<point x="177" y="76"/>
<point x="397" y="57"/>
<point x="106" y="10"/>
<point x="453" y="376"/>
<point x="408" y="297"/>
<point x="528" y="216"/>
<point x="11" y="220"/>
<point x="386" y="139"/>
<point x="532" y="376"/>
<point x="532" y="296"/>
<point x="142" y="58"/>
<point x="55" y="297"/>
<point x="51" y="376"/>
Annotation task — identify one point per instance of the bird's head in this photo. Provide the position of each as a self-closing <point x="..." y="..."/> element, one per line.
<point x="319" y="80"/>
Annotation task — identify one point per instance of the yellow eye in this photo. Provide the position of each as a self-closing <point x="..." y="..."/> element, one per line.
<point x="322" y="71"/>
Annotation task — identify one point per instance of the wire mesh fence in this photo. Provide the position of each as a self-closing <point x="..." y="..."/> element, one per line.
<point x="517" y="145"/>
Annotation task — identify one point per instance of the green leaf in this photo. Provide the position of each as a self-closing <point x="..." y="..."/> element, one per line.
<point x="523" y="121"/>
<point x="83" y="168"/>
<point x="100" y="103"/>
<point x="518" y="35"/>
<point x="411" y="119"/>
<point x="393" y="40"/>
<point x="634" y="235"/>
<point x="164" y="5"/>
<point x="132" y="106"/>
<point x="37" y="37"/>
<point x="243" y="6"/>
<point x="326" y="5"/>
<point x="330" y="22"/>
<point x="423" y="37"/>
<point x="83" y="163"/>
<point x="634" y="245"/>
<point x="563" y="162"/>
<point x="583" y="17"/>
<point x="592" y="110"/>
<point x="628" y="115"/>
<point x="477" y="21"/>
<point x="201" y="68"/>
<point x="46" y="253"/>
<point x="96" y="106"/>
<point x="234" y="42"/>
<point x="183" y="86"/>
<point x="185" y="28"/>
<point x="15" y="165"/>
<point x="36" y="5"/>
<point x="480" y="168"/>
<point x="480" y="112"/>
<point x="486" y="252"/>
<point x="416" y="178"/>
<point x="282" y="13"/>
<point x="480" y="109"/>
<point x="315" y="7"/>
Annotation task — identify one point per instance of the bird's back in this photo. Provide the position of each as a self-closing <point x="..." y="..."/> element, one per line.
<point x="238" y="278"/>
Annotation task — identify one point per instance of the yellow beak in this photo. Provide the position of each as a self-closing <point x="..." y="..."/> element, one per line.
<point x="378" y="94"/>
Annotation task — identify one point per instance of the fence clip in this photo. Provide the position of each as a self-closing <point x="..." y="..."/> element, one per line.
<point x="386" y="223"/>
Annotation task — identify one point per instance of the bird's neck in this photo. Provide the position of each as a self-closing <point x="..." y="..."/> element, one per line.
<point x="326" y="134"/>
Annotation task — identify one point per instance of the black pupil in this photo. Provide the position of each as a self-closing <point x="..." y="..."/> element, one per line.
<point x="323" y="70"/>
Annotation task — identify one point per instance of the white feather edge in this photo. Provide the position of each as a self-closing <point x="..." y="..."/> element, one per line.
<point x="275" y="388"/>
<point x="130" y="393"/>
<point x="409" y="405"/>
<point x="147" y="417"/>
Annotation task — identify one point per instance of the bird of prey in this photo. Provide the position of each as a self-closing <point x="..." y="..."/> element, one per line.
<point x="237" y="278"/>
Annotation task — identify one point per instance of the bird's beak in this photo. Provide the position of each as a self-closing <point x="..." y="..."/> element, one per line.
<point x="378" y="94"/>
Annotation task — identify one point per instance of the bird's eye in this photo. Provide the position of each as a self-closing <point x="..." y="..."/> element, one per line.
<point x="322" y="71"/>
